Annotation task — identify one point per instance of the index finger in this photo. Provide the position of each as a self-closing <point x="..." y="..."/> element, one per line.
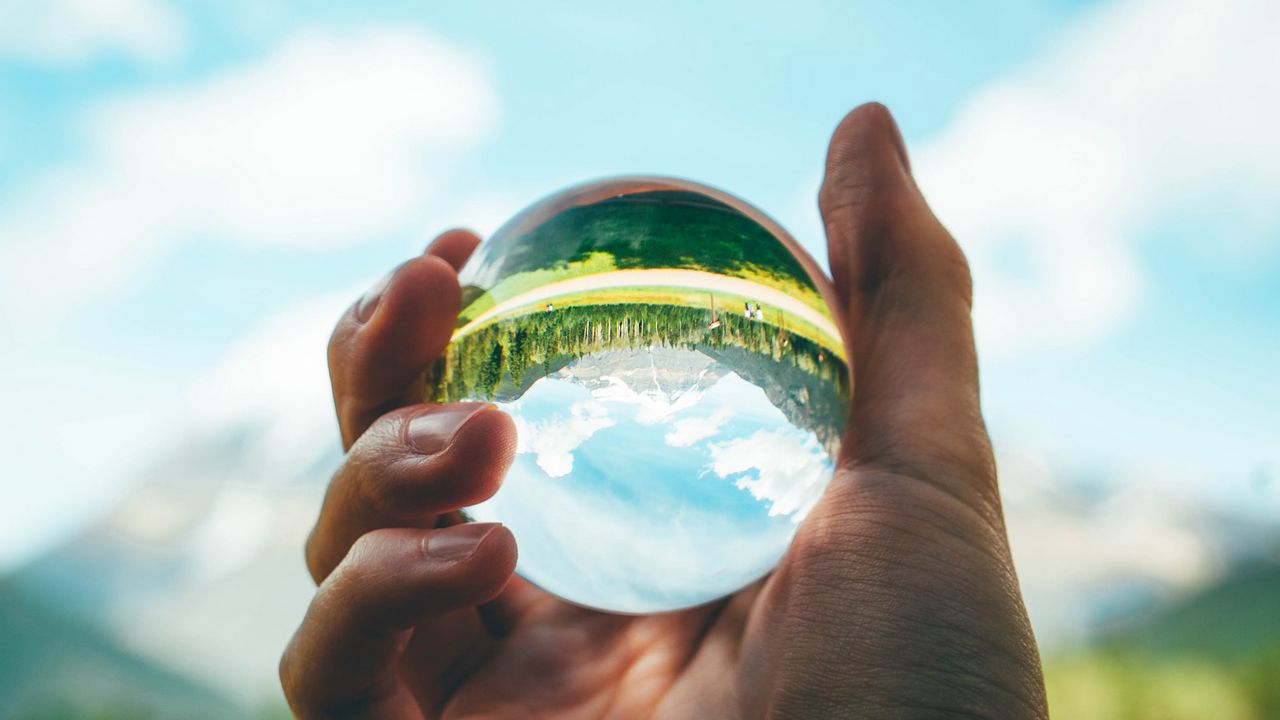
<point x="387" y="338"/>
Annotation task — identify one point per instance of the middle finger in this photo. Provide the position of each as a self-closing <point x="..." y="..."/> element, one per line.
<point x="411" y="465"/>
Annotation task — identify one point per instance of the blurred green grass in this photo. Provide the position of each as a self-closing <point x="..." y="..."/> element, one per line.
<point x="1213" y="656"/>
<point x="54" y="667"/>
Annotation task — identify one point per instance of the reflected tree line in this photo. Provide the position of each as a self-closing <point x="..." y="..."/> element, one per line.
<point x="501" y="360"/>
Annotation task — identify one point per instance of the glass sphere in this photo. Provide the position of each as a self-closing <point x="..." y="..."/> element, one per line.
<point x="677" y="381"/>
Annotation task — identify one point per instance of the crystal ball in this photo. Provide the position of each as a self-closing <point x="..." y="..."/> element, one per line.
<point x="678" y="384"/>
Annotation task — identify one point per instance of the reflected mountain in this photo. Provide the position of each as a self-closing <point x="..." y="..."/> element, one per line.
<point x="807" y="400"/>
<point x="663" y="371"/>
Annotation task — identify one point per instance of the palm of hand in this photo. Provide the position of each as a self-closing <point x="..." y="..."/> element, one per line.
<point x="561" y="661"/>
<point x="556" y="660"/>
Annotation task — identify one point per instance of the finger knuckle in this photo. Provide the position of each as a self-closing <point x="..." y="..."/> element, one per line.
<point x="383" y="473"/>
<point x="292" y="673"/>
<point x="418" y="488"/>
<point x="957" y="269"/>
<point x="340" y="337"/>
<point x="367" y="548"/>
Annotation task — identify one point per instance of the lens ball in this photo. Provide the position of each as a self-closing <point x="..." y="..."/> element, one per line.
<point x="678" y="384"/>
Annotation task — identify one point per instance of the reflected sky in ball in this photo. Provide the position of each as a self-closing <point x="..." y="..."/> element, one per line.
<point x="639" y="500"/>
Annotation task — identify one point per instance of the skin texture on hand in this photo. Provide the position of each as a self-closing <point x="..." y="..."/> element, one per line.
<point x="897" y="598"/>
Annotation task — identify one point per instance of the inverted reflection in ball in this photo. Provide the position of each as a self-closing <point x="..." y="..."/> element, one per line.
<point x="677" y="381"/>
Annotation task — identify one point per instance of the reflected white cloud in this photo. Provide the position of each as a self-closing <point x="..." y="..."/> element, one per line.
<point x="631" y="556"/>
<point x="553" y="441"/>
<point x="687" y="431"/>
<point x="784" y="468"/>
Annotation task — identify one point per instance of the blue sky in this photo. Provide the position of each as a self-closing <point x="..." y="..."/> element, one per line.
<point x="183" y="184"/>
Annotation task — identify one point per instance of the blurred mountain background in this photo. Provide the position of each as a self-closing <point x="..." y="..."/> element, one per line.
<point x="191" y="192"/>
<point x="179" y="601"/>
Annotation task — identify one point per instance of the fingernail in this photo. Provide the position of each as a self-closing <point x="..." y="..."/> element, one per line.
<point x="369" y="301"/>
<point x="459" y="541"/>
<point x="433" y="430"/>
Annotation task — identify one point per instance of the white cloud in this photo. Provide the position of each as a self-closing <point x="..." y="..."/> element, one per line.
<point x="327" y="140"/>
<point x="553" y="441"/>
<point x="1048" y="177"/>
<point x="70" y="32"/>
<point x="688" y="431"/>
<point x="275" y="380"/>
<point x="782" y="468"/>
<point x="1140" y="109"/>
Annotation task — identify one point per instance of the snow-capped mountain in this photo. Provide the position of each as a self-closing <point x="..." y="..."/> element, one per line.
<point x="199" y="568"/>
<point x="661" y="380"/>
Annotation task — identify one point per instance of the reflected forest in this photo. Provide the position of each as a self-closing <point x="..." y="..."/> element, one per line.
<point x="500" y="361"/>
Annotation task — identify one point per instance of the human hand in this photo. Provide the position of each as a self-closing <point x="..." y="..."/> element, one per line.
<point x="897" y="598"/>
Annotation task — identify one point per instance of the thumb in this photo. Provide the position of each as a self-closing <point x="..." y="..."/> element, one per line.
<point x="905" y="294"/>
<point x="899" y="584"/>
